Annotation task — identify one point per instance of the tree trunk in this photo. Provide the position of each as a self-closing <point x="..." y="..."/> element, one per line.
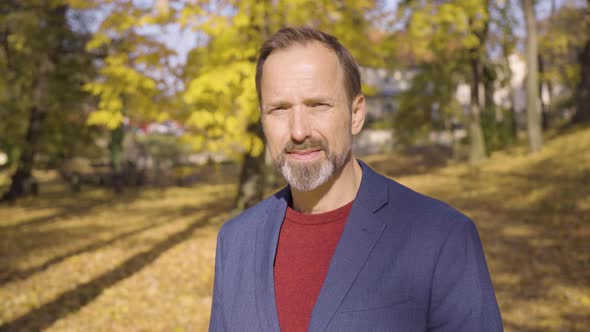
<point x="582" y="114"/>
<point x="507" y="45"/>
<point x="22" y="182"/>
<point x="488" y="87"/>
<point x="116" y="150"/>
<point x="477" y="149"/>
<point x="252" y="181"/>
<point x="534" y="121"/>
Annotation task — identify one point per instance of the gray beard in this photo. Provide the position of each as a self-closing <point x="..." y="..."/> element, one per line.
<point x="306" y="176"/>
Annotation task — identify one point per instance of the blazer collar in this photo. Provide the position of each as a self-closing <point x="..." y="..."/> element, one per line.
<point x="373" y="193"/>
<point x="267" y="237"/>
<point x="361" y="232"/>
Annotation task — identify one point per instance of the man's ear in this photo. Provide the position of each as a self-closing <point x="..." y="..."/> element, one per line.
<point x="358" y="114"/>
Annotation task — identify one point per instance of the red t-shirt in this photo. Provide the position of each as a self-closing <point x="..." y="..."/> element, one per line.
<point x="306" y="245"/>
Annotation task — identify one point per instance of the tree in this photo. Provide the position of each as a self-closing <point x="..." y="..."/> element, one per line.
<point x="43" y="65"/>
<point x="453" y="35"/>
<point x="560" y="45"/>
<point x="222" y="94"/>
<point x="534" y="121"/>
<point x="132" y="77"/>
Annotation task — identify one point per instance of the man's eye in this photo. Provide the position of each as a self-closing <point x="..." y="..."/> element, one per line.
<point x="320" y="106"/>
<point x="275" y="109"/>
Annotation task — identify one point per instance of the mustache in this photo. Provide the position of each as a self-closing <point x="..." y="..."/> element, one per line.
<point x="308" y="144"/>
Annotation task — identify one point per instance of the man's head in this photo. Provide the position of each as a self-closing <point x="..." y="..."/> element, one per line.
<point x="308" y="87"/>
<point x="301" y="36"/>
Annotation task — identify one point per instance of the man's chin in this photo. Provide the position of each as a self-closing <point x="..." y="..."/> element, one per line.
<point x="308" y="175"/>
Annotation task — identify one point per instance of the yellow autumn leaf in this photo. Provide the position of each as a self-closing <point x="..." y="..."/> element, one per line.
<point x="106" y="118"/>
<point x="98" y="39"/>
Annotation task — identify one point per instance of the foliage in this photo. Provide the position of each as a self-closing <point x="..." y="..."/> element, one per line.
<point x="498" y="133"/>
<point x="45" y="73"/>
<point x="444" y="37"/>
<point x="429" y="103"/>
<point x="444" y="31"/>
<point x="132" y="75"/>
<point x="560" y="42"/>
<point x="454" y="43"/>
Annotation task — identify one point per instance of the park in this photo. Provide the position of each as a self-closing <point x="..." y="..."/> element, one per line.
<point x="131" y="132"/>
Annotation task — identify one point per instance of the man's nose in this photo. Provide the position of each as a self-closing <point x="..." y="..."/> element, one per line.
<point x="300" y="126"/>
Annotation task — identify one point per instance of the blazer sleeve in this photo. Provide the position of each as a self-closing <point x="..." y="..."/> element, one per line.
<point x="216" y="321"/>
<point x="462" y="296"/>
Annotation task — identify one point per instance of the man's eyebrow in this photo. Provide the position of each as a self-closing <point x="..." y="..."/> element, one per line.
<point x="307" y="101"/>
<point x="275" y="103"/>
<point x="317" y="99"/>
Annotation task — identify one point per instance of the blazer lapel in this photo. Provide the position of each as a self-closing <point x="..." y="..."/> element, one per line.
<point x="361" y="232"/>
<point x="267" y="237"/>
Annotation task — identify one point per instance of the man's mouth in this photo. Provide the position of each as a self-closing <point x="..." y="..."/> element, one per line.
<point x="304" y="154"/>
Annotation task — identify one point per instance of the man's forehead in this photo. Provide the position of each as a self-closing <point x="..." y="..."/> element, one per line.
<point x="300" y="72"/>
<point x="311" y="77"/>
<point x="313" y="50"/>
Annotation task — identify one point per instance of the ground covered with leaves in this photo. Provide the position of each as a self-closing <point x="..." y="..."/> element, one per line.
<point x="143" y="261"/>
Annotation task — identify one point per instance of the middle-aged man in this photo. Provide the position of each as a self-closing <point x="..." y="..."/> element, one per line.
<point x="341" y="248"/>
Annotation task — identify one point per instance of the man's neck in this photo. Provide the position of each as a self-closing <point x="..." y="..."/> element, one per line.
<point x="338" y="191"/>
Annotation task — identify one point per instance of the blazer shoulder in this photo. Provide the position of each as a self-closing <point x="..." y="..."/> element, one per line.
<point x="405" y="205"/>
<point x="425" y="211"/>
<point x="247" y="219"/>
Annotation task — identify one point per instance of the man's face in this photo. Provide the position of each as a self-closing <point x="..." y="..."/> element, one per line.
<point x="306" y="114"/>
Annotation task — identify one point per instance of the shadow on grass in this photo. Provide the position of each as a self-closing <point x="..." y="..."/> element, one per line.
<point x="73" y="300"/>
<point x="19" y="239"/>
<point x="23" y="274"/>
<point x="70" y="205"/>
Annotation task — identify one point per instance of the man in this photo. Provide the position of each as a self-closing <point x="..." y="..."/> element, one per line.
<point x="342" y="248"/>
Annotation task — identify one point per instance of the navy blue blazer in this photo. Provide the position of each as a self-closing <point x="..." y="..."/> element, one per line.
<point x="404" y="262"/>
